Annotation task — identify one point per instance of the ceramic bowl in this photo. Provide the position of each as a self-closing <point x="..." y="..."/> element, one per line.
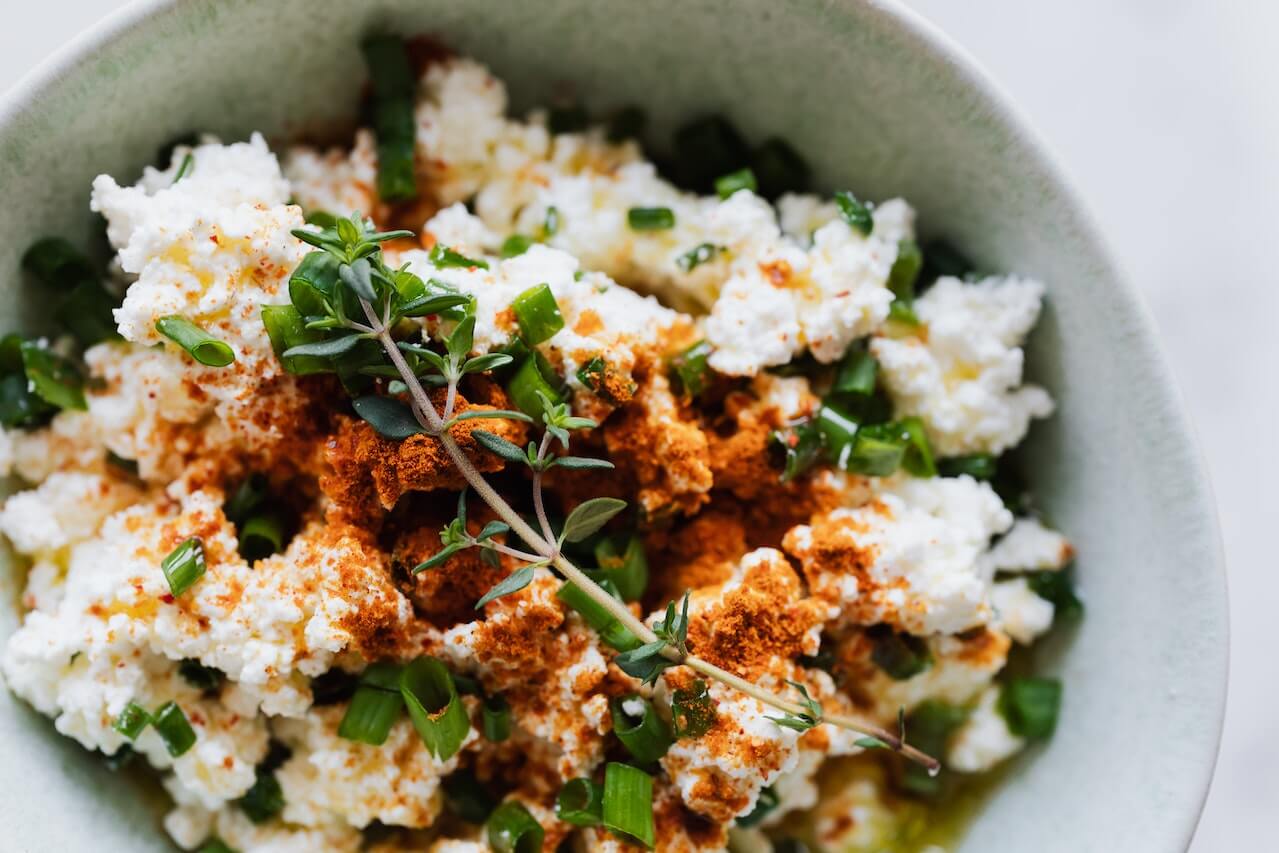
<point x="877" y="100"/>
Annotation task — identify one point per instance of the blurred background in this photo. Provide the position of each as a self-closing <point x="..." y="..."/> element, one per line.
<point x="1166" y="114"/>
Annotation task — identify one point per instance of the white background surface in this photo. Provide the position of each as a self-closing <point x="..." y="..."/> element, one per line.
<point x="1167" y="114"/>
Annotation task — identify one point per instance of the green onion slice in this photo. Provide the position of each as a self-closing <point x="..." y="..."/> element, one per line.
<point x="264" y="800"/>
<point x="199" y="676"/>
<point x="1031" y="706"/>
<point x="375" y="705"/>
<point x="516" y="245"/>
<point x="287" y="330"/>
<point x="87" y="313"/>
<point x="628" y="802"/>
<point x="261" y="536"/>
<point x="184" y="565"/>
<point x="393" y="120"/>
<point x="856" y="214"/>
<point x="172" y="726"/>
<point x="877" y="451"/>
<point x="901" y="656"/>
<point x="467" y="798"/>
<point x="626" y="567"/>
<point x="857" y="374"/>
<point x="698" y="255"/>
<point x="525" y="383"/>
<point x="905" y="271"/>
<point x="691" y="370"/>
<point x="692" y="711"/>
<point x="538" y="314"/>
<point x="132" y="720"/>
<point x="979" y="466"/>
<point x="511" y="829"/>
<point x="496" y="715"/>
<point x="57" y="263"/>
<point x="650" y="218"/>
<point x="742" y="179"/>
<point x="198" y="343"/>
<point x="580" y="802"/>
<point x="611" y="631"/>
<point x="434" y="706"/>
<point x="1055" y="586"/>
<point x="644" y="734"/>
<point x="442" y="257"/>
<point x="53" y="378"/>
<point x="918" y="459"/>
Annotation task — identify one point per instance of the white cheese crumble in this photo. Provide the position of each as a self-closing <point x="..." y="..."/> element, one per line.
<point x="984" y="739"/>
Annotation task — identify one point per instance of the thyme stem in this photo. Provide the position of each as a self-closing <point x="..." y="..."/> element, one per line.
<point x="434" y="424"/>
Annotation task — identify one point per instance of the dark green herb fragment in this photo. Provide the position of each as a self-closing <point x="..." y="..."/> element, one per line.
<point x="650" y="218"/>
<point x="393" y="121"/>
<point x="1031" y="706"/>
<point x="856" y="214"/>
<point x="900" y="655"/>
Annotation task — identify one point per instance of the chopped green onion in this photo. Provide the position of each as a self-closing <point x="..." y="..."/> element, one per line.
<point x="650" y="218"/>
<point x="248" y="496"/>
<point x="287" y="329"/>
<point x="692" y="711"/>
<point x="467" y="798"/>
<point x="979" y="466"/>
<point x="627" y="569"/>
<point x="516" y="245"/>
<point x="877" y="451"/>
<point x="691" y="370"/>
<point x="1031" y="706"/>
<point x="511" y="829"/>
<point x="742" y="179"/>
<point x="857" y="374"/>
<point x="580" y="802"/>
<point x="918" y="459"/>
<point x="838" y="430"/>
<point x="801" y="446"/>
<point x="374" y="706"/>
<point x="643" y="733"/>
<point x="856" y="214"/>
<point x="904" y="273"/>
<point x="57" y="263"/>
<point x="264" y="800"/>
<point x="930" y="725"/>
<point x="628" y="802"/>
<point x="706" y="148"/>
<point x="187" y="167"/>
<point x="434" y="706"/>
<point x="551" y="225"/>
<point x="172" y="726"/>
<point x="198" y="343"/>
<point x="393" y="120"/>
<point x="261" y="536"/>
<point x="442" y="257"/>
<point x="87" y="313"/>
<point x="1055" y="586"/>
<point x="128" y="466"/>
<point x="626" y="123"/>
<point x="698" y="255"/>
<point x="496" y="715"/>
<point x="199" y="676"/>
<point x="611" y="631"/>
<point x="538" y="314"/>
<point x="184" y="565"/>
<point x="53" y="378"/>
<point x="779" y="169"/>
<point x="768" y="802"/>
<point x="18" y="405"/>
<point x="523" y="387"/>
<point x="132" y="720"/>
<point x="901" y="656"/>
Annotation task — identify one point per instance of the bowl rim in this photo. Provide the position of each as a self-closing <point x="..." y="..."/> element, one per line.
<point x="25" y="95"/>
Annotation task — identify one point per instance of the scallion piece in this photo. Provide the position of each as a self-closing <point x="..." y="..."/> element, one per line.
<point x="692" y="711"/>
<point x="442" y="257"/>
<point x="902" y="276"/>
<point x="523" y="387"/>
<point x="698" y="255"/>
<point x="901" y="656"/>
<point x="516" y="245"/>
<point x="918" y="459"/>
<point x="857" y="374"/>
<point x="184" y="565"/>
<point x="580" y="802"/>
<point x="856" y="214"/>
<point x="1031" y="706"/>
<point x="187" y="167"/>
<point x="172" y="726"/>
<point x="393" y="121"/>
<point x="877" y="451"/>
<point x="692" y="370"/>
<point x="132" y="720"/>
<point x="287" y="329"/>
<point x="767" y="802"/>
<point x="198" y="343"/>
<point x="511" y="829"/>
<point x="838" y="429"/>
<point x="1055" y="586"/>
<point x="374" y="706"/>
<point x="199" y="676"/>
<point x="261" y="536"/>
<point x="264" y="799"/>
<point x="979" y="466"/>
<point x="650" y="218"/>
<point x="611" y="631"/>
<point x="538" y="314"/>
<point x="930" y="725"/>
<point x="627" y="567"/>
<point x="57" y="263"/>
<point x="434" y="706"/>
<point x="551" y="225"/>
<point x="628" y="802"/>
<point x="86" y="313"/>
<point x="742" y="179"/>
<point x="467" y="798"/>
<point x="495" y="712"/>
<point x="644" y="734"/>
<point x="53" y="378"/>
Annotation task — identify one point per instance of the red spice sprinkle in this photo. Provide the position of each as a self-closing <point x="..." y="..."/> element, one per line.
<point x="167" y="598"/>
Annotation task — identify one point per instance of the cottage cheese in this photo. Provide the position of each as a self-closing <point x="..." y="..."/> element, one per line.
<point x="984" y="739"/>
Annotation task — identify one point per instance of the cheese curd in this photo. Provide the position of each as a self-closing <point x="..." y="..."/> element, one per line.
<point x="793" y="582"/>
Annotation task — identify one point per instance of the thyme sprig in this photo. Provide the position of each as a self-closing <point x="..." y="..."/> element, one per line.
<point x="350" y="276"/>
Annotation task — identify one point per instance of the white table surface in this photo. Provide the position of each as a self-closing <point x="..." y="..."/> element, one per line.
<point x="1166" y="113"/>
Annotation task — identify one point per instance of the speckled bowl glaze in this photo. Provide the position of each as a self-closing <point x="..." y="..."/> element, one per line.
<point x="877" y="100"/>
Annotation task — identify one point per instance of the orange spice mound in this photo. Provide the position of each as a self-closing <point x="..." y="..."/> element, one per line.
<point x="369" y="471"/>
<point x="700" y="553"/>
<point x="526" y="642"/>
<point x="446" y="594"/>
<point x="832" y="553"/>
<point x="759" y="621"/>
<point x="375" y="621"/>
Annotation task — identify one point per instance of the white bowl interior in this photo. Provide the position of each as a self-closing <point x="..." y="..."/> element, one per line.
<point x="876" y="101"/>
